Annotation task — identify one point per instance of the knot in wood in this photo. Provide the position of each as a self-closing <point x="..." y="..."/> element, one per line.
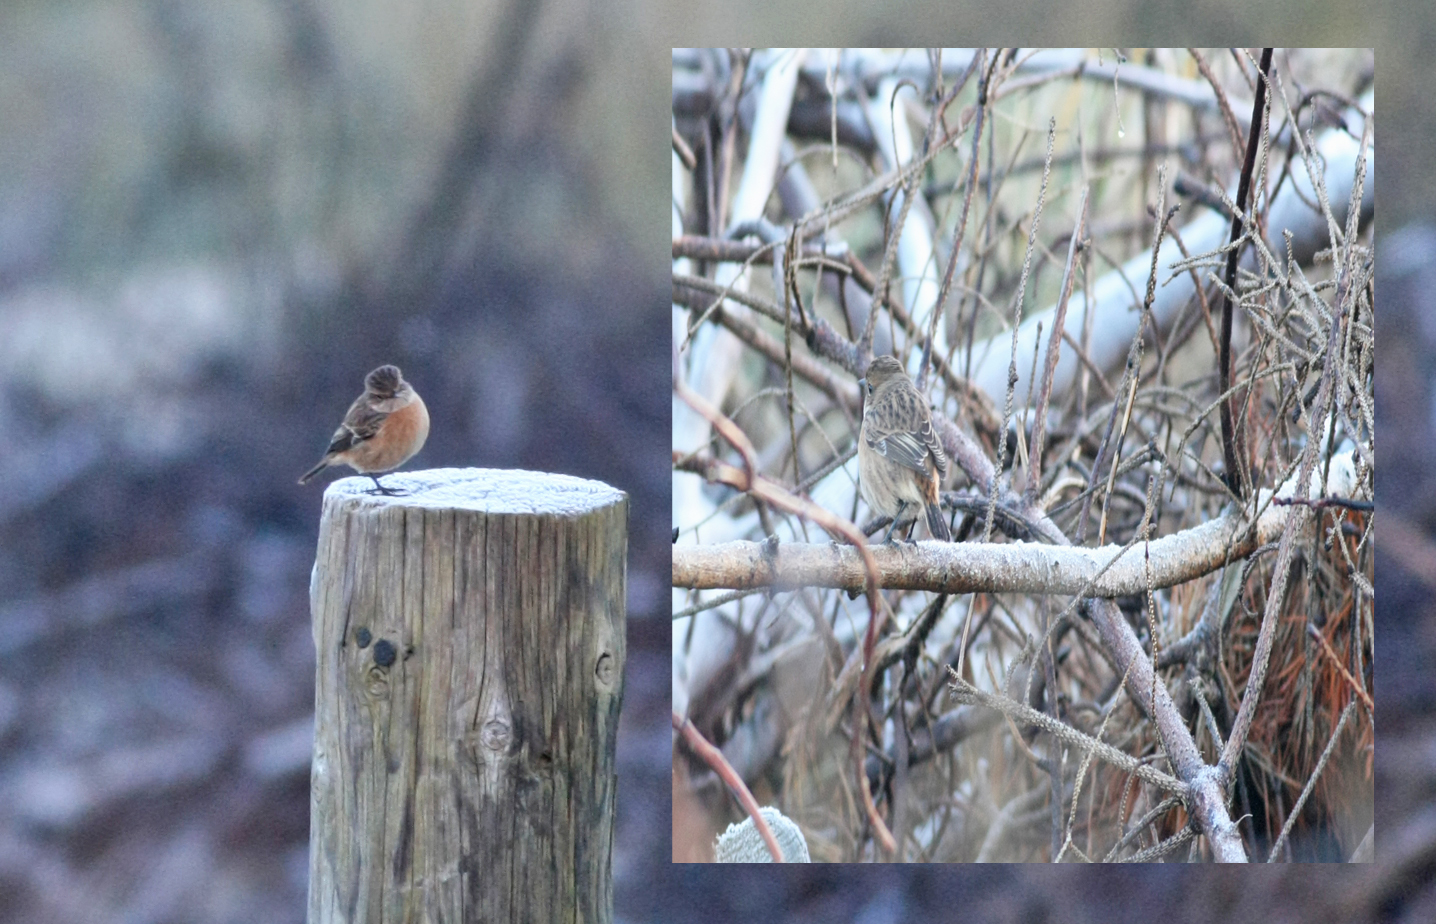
<point x="495" y="735"/>
<point x="604" y="670"/>
<point x="376" y="682"/>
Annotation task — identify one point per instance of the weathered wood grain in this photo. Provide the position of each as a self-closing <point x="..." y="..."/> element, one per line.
<point x="470" y="648"/>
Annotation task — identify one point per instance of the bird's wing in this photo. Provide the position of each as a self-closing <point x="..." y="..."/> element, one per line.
<point x="909" y="448"/>
<point x="903" y="448"/>
<point x="360" y="424"/>
<point x="933" y="445"/>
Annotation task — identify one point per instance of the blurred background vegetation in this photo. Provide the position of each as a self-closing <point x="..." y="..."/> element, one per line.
<point x="214" y="220"/>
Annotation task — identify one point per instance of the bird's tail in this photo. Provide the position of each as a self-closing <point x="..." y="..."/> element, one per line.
<point x="323" y="464"/>
<point x="937" y="524"/>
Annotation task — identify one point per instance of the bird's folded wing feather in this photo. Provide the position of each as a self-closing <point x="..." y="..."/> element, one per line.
<point x="934" y="445"/>
<point x="903" y="448"/>
<point x="360" y="424"/>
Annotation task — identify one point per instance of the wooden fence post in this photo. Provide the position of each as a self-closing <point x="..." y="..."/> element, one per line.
<point x="470" y="643"/>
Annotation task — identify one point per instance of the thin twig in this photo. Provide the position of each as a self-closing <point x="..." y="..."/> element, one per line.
<point x="714" y="759"/>
<point x="1226" y="107"/>
<point x="1017" y="322"/>
<point x="1295" y="812"/>
<point x="1356" y="688"/>
<point x="1233" y="446"/>
<point x="1018" y="712"/>
<point x="977" y="61"/>
<point x="1054" y="344"/>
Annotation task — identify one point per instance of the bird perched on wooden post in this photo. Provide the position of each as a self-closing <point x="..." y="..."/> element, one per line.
<point x="901" y="462"/>
<point x="384" y="428"/>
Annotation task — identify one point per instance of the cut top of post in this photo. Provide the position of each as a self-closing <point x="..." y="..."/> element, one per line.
<point x="493" y="490"/>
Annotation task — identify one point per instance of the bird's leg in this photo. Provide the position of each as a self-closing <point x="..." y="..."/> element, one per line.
<point x="387" y="492"/>
<point x="897" y="517"/>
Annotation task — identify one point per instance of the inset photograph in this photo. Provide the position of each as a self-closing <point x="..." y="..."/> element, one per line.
<point x="1023" y="455"/>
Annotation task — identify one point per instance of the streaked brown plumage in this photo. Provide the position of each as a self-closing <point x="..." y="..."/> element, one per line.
<point x="901" y="462"/>
<point x="384" y="428"/>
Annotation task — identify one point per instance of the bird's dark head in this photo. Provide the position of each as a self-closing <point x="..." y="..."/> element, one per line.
<point x="383" y="382"/>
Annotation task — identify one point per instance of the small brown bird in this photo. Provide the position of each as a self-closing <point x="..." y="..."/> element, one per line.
<point x="384" y="428"/>
<point x="901" y="463"/>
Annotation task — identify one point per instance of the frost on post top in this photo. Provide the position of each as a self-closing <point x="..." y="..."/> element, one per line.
<point x="491" y="490"/>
